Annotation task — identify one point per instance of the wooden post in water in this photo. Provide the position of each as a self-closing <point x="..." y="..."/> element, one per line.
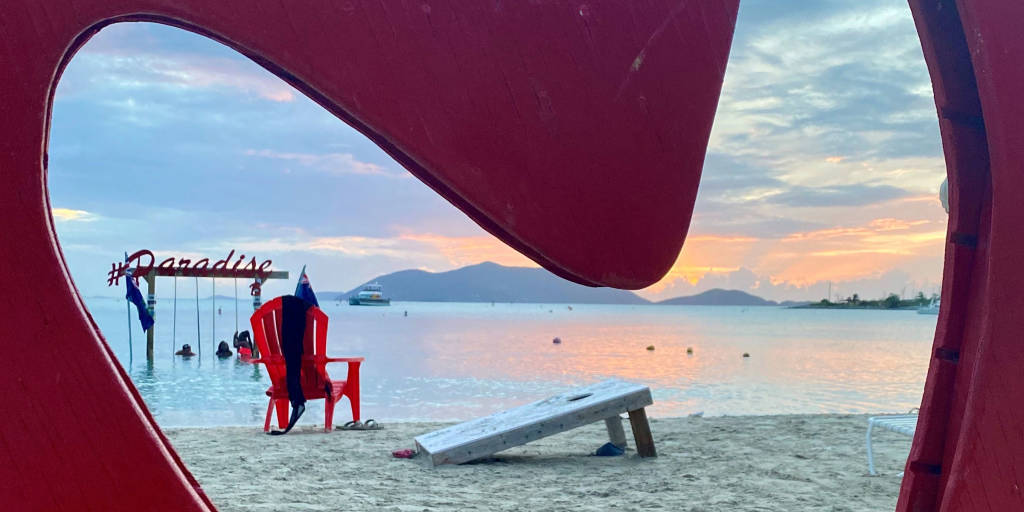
<point x="213" y="315"/>
<point x="151" y="306"/>
<point x="256" y="302"/>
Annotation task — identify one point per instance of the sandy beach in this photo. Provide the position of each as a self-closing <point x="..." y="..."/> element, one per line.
<point x="737" y="463"/>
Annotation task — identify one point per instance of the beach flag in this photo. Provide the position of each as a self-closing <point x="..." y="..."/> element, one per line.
<point x="135" y="297"/>
<point x="303" y="290"/>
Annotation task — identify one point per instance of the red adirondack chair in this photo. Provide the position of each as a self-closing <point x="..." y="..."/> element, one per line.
<point x="316" y="384"/>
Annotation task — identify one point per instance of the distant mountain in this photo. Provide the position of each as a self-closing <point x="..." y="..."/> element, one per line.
<point x="490" y="282"/>
<point x="719" y="297"/>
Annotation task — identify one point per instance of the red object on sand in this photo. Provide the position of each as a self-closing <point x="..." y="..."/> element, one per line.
<point x="407" y="453"/>
<point x="266" y="330"/>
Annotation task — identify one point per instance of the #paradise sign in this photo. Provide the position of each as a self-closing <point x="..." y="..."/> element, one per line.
<point x="143" y="262"/>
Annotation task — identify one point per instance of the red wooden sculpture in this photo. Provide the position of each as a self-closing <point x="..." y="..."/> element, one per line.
<point x="573" y="131"/>
<point x="968" y="453"/>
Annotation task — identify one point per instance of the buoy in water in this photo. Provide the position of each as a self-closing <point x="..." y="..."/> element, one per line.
<point x="689" y="350"/>
<point x="650" y="347"/>
<point x="557" y="340"/>
<point x="746" y="354"/>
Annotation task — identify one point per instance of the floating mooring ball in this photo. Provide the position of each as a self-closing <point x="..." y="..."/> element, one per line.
<point x="650" y="347"/>
<point x="556" y="341"/>
<point x="689" y="350"/>
<point x="746" y="354"/>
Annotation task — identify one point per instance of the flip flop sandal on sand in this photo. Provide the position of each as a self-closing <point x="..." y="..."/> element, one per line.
<point x="358" y="425"/>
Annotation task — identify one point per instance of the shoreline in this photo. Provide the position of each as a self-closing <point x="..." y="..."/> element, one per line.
<point x="722" y="463"/>
<point x="857" y="308"/>
<point x="317" y="420"/>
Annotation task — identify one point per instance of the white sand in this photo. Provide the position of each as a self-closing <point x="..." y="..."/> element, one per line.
<point x="744" y="463"/>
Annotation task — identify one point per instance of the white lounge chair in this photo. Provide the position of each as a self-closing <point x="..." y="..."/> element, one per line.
<point x="902" y="423"/>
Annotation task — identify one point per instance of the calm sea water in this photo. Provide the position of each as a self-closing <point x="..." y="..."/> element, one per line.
<point x="457" y="361"/>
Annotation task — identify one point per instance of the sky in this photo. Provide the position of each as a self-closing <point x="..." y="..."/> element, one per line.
<point x="823" y="166"/>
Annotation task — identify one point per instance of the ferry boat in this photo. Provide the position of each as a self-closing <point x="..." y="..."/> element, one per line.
<point x="370" y="295"/>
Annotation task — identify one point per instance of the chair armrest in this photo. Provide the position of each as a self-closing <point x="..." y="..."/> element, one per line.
<point x="344" y="359"/>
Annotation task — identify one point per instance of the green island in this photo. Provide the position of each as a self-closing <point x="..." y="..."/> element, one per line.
<point x="892" y="301"/>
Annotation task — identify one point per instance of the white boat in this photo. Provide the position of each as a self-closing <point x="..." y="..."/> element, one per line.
<point x="370" y="295"/>
<point x="931" y="309"/>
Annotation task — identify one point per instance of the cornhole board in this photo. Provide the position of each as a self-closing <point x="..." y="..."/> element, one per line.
<point x="486" y="436"/>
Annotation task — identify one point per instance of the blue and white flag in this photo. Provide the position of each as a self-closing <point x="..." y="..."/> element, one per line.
<point x="135" y="297"/>
<point x="304" y="291"/>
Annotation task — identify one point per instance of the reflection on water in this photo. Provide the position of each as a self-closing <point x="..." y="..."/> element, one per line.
<point x="456" y="361"/>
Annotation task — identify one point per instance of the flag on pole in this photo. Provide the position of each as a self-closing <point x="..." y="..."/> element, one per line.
<point x="303" y="290"/>
<point x="135" y="297"/>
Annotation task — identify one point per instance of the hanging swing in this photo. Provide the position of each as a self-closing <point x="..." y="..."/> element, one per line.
<point x="236" y="309"/>
<point x="174" y="319"/>
<point x="199" y="336"/>
<point x="213" y="316"/>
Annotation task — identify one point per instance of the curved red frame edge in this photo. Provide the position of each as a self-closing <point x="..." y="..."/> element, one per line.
<point x="968" y="452"/>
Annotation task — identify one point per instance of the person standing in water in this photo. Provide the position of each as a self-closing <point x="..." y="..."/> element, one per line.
<point x="223" y="350"/>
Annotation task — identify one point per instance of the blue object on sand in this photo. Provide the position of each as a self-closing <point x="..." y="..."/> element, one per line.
<point x="609" y="450"/>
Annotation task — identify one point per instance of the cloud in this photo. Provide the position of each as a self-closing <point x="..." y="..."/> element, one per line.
<point x="69" y="215"/>
<point x="834" y="82"/>
<point x="351" y="246"/>
<point x="469" y="250"/>
<point x="792" y="263"/>
<point x="876" y="285"/>
<point x="140" y="57"/>
<point x="335" y="163"/>
<point x="890" y="224"/>
<point x="444" y="252"/>
<point x="837" y="196"/>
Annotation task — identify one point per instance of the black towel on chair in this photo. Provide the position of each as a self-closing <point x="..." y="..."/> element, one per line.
<point x="293" y="330"/>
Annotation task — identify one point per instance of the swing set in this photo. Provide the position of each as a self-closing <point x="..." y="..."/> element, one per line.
<point x="142" y="266"/>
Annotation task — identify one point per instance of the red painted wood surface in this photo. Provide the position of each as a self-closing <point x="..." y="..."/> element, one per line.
<point x="968" y="453"/>
<point x="573" y="131"/>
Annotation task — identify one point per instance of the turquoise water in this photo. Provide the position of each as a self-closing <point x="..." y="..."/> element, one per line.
<point x="456" y="361"/>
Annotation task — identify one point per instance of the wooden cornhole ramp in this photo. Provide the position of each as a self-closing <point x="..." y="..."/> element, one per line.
<point x="486" y="436"/>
